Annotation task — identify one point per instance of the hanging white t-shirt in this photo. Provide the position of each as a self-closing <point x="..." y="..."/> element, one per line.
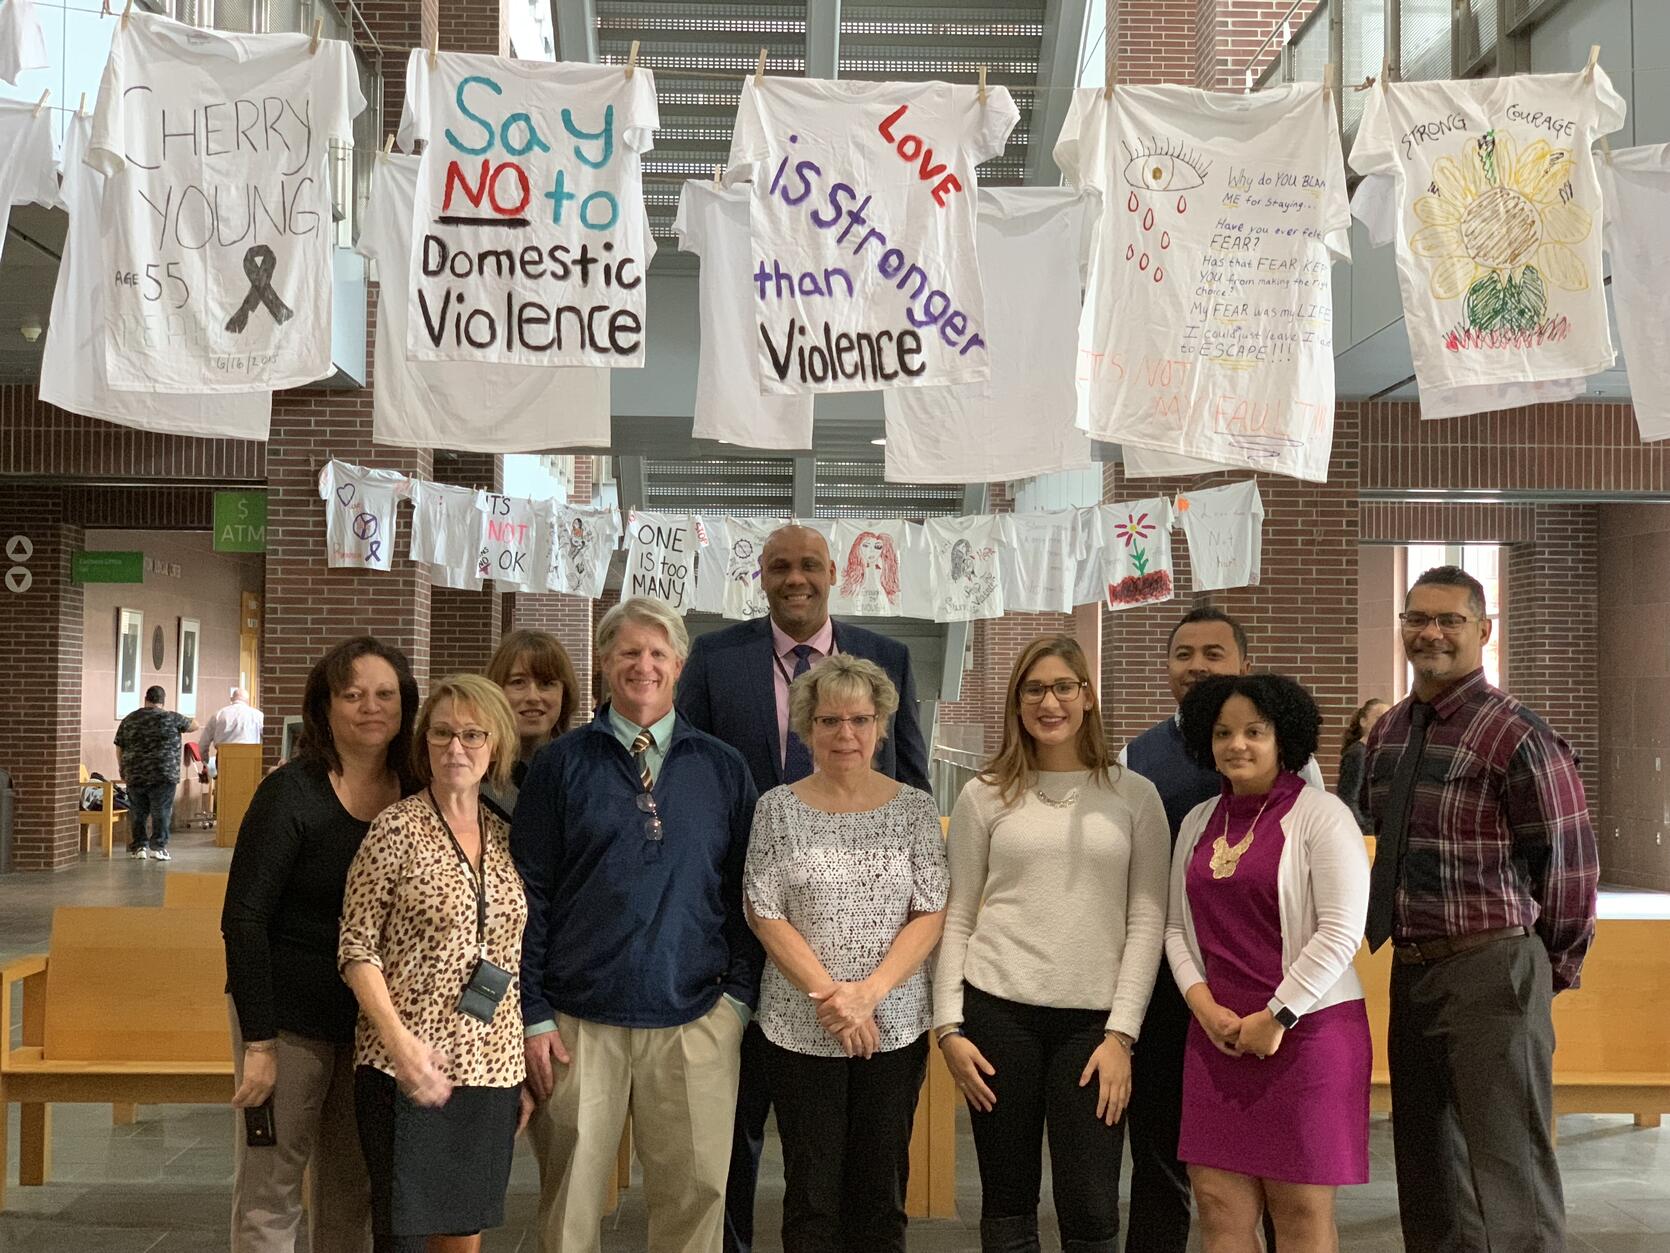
<point x="1042" y="555"/>
<point x="871" y="566"/>
<point x="728" y="566"/>
<point x="1135" y="544"/>
<point x="1498" y="226"/>
<point x="359" y="514"/>
<point x="1034" y="247"/>
<point x="1636" y="184"/>
<point x="465" y="405"/>
<point x="967" y="570"/>
<point x="712" y="222"/>
<point x="1208" y="331"/>
<point x="863" y="219"/>
<point x="1225" y="530"/>
<point x="217" y="208"/>
<point x="1089" y="585"/>
<point x="514" y="553"/>
<point x="529" y="236"/>
<point x="72" y="361"/>
<point x="661" y="553"/>
<point x="582" y="539"/>
<point x="22" y="43"/>
<point x="28" y="160"/>
<point x="449" y="528"/>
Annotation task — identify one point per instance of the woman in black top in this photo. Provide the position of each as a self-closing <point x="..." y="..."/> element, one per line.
<point x="533" y="669"/>
<point x="293" y="1017"/>
<point x="1352" y="754"/>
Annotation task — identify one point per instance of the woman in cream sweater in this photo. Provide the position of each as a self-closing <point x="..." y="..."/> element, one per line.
<point x="1053" y="934"/>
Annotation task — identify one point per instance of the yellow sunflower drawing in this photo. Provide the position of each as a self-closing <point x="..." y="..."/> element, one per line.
<point x="1500" y="224"/>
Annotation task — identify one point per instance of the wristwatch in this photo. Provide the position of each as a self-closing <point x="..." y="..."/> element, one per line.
<point x="1283" y="1015"/>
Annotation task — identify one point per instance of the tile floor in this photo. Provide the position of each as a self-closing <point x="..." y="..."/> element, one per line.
<point x="162" y="1185"/>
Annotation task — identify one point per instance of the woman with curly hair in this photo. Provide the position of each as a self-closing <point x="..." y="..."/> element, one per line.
<point x="1269" y="892"/>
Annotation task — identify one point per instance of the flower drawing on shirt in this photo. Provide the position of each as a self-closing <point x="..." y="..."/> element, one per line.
<point x="1500" y="224"/>
<point x="1160" y="166"/>
<point x="871" y="576"/>
<point x="1145" y="585"/>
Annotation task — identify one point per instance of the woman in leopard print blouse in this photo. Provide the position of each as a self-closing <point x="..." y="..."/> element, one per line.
<point x="435" y="1085"/>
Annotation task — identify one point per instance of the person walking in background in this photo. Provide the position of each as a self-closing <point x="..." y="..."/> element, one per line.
<point x="533" y="670"/>
<point x="1053" y="936"/>
<point x="845" y="886"/>
<point x="148" y="755"/>
<point x="431" y="938"/>
<point x="736" y="687"/>
<point x="293" y="1017"/>
<point x="1484" y="880"/>
<point x="1269" y="888"/>
<point x="1353" y="752"/>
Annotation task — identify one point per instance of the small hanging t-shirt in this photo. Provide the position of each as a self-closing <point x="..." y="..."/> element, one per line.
<point x="1135" y="543"/>
<point x="1225" y="530"/>
<point x="712" y="222"/>
<point x="582" y="539"/>
<point x="661" y="558"/>
<point x="863" y="219"/>
<point x="460" y="404"/>
<point x="28" y="160"/>
<point x="217" y="208"/>
<point x="1636" y="185"/>
<point x="967" y="571"/>
<point x="871" y="567"/>
<point x="728" y="566"/>
<point x="359" y="514"/>
<point x="529" y="237"/>
<point x="1042" y="552"/>
<point x="449" y="528"/>
<point x="1208" y="329"/>
<point x="72" y="360"/>
<point x="514" y="553"/>
<point x="22" y="43"/>
<point x="1034" y="247"/>
<point x="1498" y="228"/>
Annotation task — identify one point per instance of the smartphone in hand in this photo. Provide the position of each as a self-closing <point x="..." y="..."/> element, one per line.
<point x="258" y="1126"/>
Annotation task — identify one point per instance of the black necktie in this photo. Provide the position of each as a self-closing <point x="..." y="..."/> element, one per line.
<point x="1394" y="832"/>
<point x="797" y="758"/>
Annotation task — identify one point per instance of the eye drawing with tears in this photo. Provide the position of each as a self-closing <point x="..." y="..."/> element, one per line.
<point x="1163" y="166"/>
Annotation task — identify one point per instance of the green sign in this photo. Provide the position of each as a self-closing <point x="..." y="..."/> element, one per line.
<point x="240" y="522"/>
<point x="107" y="567"/>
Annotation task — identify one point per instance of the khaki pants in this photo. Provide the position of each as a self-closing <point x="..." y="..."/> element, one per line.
<point x="313" y="1116"/>
<point x="680" y="1085"/>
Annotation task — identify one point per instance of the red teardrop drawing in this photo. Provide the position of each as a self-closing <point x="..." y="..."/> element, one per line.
<point x="1130" y="251"/>
<point x="1148" y="220"/>
<point x="1159" y="273"/>
<point x="1143" y="264"/>
<point x="1165" y="239"/>
<point x="1133" y="203"/>
<point x="1182" y="204"/>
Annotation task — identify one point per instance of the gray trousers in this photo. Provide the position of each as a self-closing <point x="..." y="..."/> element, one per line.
<point x="1471" y="1053"/>
<point x="313" y="1117"/>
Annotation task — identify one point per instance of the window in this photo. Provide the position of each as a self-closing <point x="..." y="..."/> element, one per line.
<point x="1484" y="563"/>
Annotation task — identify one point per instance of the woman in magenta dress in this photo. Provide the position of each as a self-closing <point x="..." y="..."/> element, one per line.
<point x="1269" y="890"/>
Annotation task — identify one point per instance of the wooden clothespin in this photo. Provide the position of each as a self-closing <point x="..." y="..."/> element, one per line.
<point x="982" y="84"/>
<point x="1594" y="60"/>
<point x="434" y="49"/>
<point x="1385" y="71"/>
<point x="719" y="176"/>
<point x="81" y="108"/>
<point x="632" y="59"/>
<point x="1606" y="149"/>
<point x="127" y="11"/>
<point x="1368" y="81"/>
<point x="1327" y="80"/>
<point x="41" y="103"/>
<point x="388" y="144"/>
<point x="759" y="69"/>
<point x="104" y="8"/>
<point x="318" y="31"/>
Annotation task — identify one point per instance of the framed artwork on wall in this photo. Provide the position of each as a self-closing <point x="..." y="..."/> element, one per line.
<point x="130" y="631"/>
<point x="186" y="687"/>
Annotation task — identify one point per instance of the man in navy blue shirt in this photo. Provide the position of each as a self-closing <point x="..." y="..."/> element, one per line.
<point x="638" y="969"/>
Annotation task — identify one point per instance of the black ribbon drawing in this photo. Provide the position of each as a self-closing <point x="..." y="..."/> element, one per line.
<point x="259" y="264"/>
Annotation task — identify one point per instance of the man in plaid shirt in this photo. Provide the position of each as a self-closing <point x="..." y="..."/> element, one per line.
<point x="1484" y="880"/>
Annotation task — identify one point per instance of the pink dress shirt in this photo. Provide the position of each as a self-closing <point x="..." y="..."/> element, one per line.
<point x="823" y="643"/>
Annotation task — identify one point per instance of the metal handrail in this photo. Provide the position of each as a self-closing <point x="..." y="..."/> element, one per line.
<point x="1264" y="44"/>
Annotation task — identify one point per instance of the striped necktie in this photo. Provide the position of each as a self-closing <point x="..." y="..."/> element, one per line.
<point x="640" y="754"/>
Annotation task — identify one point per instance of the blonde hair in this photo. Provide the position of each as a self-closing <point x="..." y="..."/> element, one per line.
<point x="487" y="701"/>
<point x="645" y="611"/>
<point x="1015" y="764"/>
<point x="841" y="676"/>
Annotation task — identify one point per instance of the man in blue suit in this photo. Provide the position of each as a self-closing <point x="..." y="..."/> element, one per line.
<point x="736" y="687"/>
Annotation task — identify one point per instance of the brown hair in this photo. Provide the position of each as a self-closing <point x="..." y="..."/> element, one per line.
<point x="1354" y="728"/>
<point x="486" y="700"/>
<point x="1015" y="764"/>
<point x="547" y="661"/>
<point x="331" y="675"/>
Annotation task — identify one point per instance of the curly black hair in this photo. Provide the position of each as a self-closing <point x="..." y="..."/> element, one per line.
<point x="1292" y="713"/>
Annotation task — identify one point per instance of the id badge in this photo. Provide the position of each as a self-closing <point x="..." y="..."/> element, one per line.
<point x="484" y="990"/>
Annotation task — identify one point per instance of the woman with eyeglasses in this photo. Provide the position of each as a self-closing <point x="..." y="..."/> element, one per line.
<point x="1053" y="937"/>
<point x="431" y="939"/>
<point x="845" y="885"/>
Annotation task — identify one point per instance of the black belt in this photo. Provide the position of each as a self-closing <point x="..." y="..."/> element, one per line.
<point x="1419" y="954"/>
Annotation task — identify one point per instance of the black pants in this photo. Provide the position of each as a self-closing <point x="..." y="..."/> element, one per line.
<point x="1159" y="1218"/>
<point x="1471" y="1053"/>
<point x="753" y="1107"/>
<point x="1039" y="1054"/>
<point x="845" y="1125"/>
<point x="150" y="805"/>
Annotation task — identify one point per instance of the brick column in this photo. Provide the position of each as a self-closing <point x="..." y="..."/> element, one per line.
<point x="41" y="651"/>
<point x="464" y="627"/>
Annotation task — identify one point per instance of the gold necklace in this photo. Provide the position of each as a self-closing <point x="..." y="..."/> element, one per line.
<point x="1226" y="856"/>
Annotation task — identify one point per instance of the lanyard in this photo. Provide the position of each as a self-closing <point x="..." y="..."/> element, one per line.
<point x="788" y="679"/>
<point x="479" y="881"/>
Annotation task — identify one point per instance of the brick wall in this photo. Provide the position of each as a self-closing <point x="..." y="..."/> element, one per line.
<point x="1154" y="40"/>
<point x="1228" y="38"/>
<point x="39" y="440"/>
<point x="464" y="627"/>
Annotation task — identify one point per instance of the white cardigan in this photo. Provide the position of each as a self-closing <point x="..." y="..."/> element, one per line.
<point x="1322" y="886"/>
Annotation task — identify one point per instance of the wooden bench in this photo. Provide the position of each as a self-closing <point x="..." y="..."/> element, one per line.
<point x="127" y="1006"/>
<point x="186" y="889"/>
<point x="105" y="819"/>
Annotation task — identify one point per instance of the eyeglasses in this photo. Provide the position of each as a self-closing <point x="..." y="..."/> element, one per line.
<point x="858" y="722"/>
<point x="1064" y="689"/>
<point x="653" y="831"/>
<point x="1447" y="622"/>
<point x="469" y="737"/>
